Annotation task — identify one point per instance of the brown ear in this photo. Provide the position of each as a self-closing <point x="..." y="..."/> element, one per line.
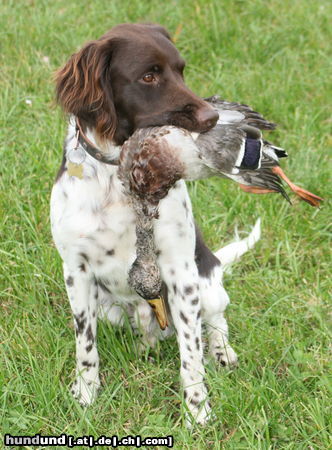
<point x="159" y="29"/>
<point x="83" y="87"/>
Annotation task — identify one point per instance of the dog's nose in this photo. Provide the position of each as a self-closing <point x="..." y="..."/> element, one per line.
<point x="207" y="118"/>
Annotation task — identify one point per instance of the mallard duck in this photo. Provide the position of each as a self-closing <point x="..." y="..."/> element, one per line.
<point x="153" y="159"/>
<point x="234" y="149"/>
<point x="256" y="168"/>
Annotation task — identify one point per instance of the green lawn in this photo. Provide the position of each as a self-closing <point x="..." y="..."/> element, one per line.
<point x="271" y="55"/>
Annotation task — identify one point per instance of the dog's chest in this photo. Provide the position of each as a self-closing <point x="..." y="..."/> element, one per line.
<point x="93" y="225"/>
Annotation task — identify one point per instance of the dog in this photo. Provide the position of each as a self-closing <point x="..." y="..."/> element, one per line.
<point x="132" y="77"/>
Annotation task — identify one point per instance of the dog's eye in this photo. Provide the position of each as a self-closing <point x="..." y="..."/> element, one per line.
<point x="149" y="77"/>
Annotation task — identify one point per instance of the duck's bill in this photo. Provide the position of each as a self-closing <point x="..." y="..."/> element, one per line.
<point x="159" y="308"/>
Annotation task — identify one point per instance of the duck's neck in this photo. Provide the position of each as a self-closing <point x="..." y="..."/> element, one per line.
<point x="144" y="275"/>
<point x="145" y="244"/>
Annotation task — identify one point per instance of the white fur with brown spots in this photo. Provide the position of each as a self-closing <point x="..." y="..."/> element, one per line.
<point x="94" y="231"/>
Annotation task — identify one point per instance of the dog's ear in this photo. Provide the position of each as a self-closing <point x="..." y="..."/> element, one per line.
<point x="159" y="28"/>
<point x="83" y="87"/>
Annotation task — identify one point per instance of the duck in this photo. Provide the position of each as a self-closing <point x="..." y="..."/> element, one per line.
<point x="234" y="148"/>
<point x="153" y="159"/>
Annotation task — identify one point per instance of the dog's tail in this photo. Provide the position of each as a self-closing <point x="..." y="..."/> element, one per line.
<point x="233" y="251"/>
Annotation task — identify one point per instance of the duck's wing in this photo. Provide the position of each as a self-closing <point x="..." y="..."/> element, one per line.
<point x="228" y="148"/>
<point x="222" y="148"/>
<point x="232" y="112"/>
<point x="261" y="181"/>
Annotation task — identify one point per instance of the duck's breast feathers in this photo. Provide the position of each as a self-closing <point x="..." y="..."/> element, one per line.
<point x="149" y="164"/>
<point x="232" y="112"/>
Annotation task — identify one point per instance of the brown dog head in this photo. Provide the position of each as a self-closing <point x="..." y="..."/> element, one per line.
<point x="132" y="77"/>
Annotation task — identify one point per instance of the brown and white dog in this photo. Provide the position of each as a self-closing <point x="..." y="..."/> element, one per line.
<point x="132" y="77"/>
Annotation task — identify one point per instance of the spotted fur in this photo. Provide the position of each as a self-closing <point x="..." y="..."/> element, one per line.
<point x="94" y="231"/>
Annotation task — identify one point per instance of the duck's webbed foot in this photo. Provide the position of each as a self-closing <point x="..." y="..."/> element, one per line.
<point x="309" y="197"/>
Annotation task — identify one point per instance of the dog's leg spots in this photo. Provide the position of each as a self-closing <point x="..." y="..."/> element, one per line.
<point x="83" y="301"/>
<point x="179" y="272"/>
<point x="220" y="349"/>
<point x="70" y="281"/>
<point x="185" y="307"/>
<point x="214" y="302"/>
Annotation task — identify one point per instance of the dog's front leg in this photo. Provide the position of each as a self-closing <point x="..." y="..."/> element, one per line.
<point x="185" y="306"/>
<point x="83" y="295"/>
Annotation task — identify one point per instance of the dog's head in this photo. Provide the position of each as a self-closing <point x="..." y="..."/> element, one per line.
<point x="132" y="77"/>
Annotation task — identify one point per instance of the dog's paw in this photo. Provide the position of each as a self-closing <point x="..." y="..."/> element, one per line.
<point x="146" y="341"/>
<point x="85" y="391"/>
<point x="198" y="414"/>
<point x="225" y="356"/>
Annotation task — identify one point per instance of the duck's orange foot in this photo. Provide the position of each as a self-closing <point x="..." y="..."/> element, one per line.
<point x="256" y="189"/>
<point x="305" y="195"/>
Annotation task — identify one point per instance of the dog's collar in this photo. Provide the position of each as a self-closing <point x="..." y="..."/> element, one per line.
<point x="93" y="151"/>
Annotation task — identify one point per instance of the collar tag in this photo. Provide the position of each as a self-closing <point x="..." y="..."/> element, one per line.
<point x="75" y="170"/>
<point x="76" y="157"/>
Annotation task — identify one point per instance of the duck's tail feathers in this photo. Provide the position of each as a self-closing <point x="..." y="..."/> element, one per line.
<point x="233" y="251"/>
<point x="273" y="151"/>
<point x="280" y="152"/>
<point x="262" y="181"/>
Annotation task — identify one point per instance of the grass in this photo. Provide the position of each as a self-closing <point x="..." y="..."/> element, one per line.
<point x="271" y="55"/>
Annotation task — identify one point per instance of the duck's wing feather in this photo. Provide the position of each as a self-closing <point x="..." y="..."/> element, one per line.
<point x="263" y="179"/>
<point x="230" y="147"/>
<point x="222" y="148"/>
<point x="232" y="112"/>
